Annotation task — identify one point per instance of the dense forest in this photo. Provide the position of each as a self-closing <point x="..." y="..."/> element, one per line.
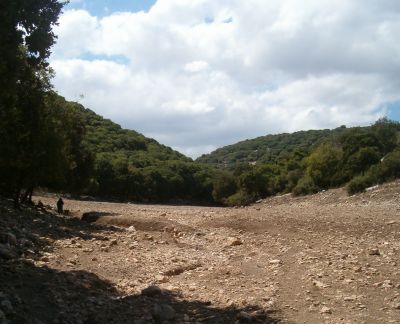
<point x="126" y="165"/>
<point x="309" y="161"/>
<point x="48" y="142"/>
<point x="269" y="148"/>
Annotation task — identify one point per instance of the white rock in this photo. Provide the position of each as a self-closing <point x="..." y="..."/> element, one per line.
<point x="325" y="310"/>
<point x="233" y="241"/>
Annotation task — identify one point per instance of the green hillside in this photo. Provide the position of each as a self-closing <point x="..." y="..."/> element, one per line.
<point x="270" y="148"/>
<point x="129" y="166"/>
<point x="306" y="162"/>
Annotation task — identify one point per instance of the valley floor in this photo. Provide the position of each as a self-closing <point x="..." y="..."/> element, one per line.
<point x="326" y="258"/>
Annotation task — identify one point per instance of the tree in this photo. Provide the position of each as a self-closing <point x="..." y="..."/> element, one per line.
<point x="26" y="37"/>
<point x="224" y="186"/>
<point x="323" y="166"/>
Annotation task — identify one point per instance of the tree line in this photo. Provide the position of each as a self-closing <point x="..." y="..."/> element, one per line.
<point x="356" y="157"/>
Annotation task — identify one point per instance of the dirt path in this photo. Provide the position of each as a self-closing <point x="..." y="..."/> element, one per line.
<point x="326" y="258"/>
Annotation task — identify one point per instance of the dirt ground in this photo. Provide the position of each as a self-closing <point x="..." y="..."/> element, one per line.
<point x="326" y="258"/>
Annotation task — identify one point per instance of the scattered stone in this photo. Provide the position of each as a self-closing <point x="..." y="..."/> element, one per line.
<point x="152" y="291"/>
<point x="276" y="261"/>
<point x="396" y="306"/>
<point x="131" y="229"/>
<point x="320" y="284"/>
<point x="113" y="242"/>
<point x="163" y="312"/>
<point x="180" y="269"/>
<point x="25" y="243"/>
<point x="244" y="317"/>
<point x="6" y="306"/>
<point x="387" y="284"/>
<point x="11" y="239"/>
<point x="325" y="310"/>
<point x="374" y="252"/>
<point x="233" y="241"/>
<point x="161" y="278"/>
<point x="349" y="298"/>
<point x="6" y="252"/>
<point x="149" y="237"/>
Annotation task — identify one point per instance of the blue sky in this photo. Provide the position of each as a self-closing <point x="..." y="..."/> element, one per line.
<point x="198" y="75"/>
<point x="394" y="111"/>
<point x="102" y="8"/>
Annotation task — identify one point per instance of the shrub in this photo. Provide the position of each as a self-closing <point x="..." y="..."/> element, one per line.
<point x="388" y="169"/>
<point x="241" y="198"/>
<point x="305" y="186"/>
<point x="359" y="184"/>
<point x="223" y="186"/>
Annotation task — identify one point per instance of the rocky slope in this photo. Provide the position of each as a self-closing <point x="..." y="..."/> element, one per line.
<point x="326" y="258"/>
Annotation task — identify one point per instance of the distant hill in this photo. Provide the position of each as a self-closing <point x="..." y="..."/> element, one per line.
<point x="125" y="165"/>
<point x="270" y="148"/>
<point x="103" y="136"/>
<point x="307" y="161"/>
<point x="129" y="166"/>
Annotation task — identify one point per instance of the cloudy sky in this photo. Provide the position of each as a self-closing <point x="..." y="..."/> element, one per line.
<point x="200" y="74"/>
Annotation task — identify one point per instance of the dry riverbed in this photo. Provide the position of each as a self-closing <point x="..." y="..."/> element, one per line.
<point x="326" y="258"/>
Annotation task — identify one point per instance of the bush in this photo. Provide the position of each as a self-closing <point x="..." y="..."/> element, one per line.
<point x="359" y="184"/>
<point x="223" y="186"/>
<point x="240" y="198"/>
<point x="387" y="170"/>
<point x="305" y="186"/>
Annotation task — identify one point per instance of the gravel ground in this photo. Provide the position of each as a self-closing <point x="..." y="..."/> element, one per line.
<point x="325" y="258"/>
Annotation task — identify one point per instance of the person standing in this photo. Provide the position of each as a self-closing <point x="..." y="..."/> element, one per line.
<point x="60" y="206"/>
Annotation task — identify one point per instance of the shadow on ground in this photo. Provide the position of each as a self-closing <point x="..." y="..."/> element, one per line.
<point x="40" y="295"/>
<point x="43" y="295"/>
<point x="92" y="216"/>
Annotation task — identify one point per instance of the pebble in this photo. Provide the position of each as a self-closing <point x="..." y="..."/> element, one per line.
<point x="374" y="252"/>
<point x="244" y="317"/>
<point x="6" y="252"/>
<point x="131" y="229"/>
<point x="319" y="284"/>
<point x="233" y="241"/>
<point x="161" y="278"/>
<point x="325" y="310"/>
<point x="11" y="239"/>
<point x="163" y="312"/>
<point x="349" y="298"/>
<point x="6" y="306"/>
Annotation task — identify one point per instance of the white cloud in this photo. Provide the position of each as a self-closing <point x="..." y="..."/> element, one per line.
<point x="196" y="66"/>
<point x="197" y="75"/>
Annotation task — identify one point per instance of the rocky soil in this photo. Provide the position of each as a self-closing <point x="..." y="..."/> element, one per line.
<point x="326" y="258"/>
